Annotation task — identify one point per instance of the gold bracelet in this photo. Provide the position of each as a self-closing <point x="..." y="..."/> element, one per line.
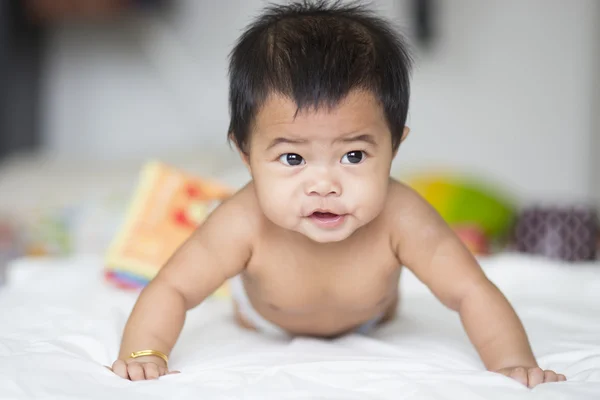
<point x="156" y="353"/>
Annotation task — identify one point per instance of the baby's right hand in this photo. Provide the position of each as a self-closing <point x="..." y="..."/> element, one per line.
<point x="141" y="368"/>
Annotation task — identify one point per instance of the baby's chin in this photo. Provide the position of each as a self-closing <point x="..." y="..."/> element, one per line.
<point x="326" y="238"/>
<point x="323" y="236"/>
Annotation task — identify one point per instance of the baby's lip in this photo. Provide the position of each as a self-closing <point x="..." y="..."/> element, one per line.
<point x="327" y="220"/>
<point x="324" y="211"/>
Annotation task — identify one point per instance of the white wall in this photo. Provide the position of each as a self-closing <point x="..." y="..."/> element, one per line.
<point x="507" y="93"/>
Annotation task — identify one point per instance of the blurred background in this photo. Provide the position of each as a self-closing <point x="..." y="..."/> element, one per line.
<point x="504" y="91"/>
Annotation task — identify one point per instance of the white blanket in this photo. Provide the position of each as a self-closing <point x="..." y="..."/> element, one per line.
<point x="60" y="324"/>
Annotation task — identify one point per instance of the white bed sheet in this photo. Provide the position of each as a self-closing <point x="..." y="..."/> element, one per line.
<point x="60" y="324"/>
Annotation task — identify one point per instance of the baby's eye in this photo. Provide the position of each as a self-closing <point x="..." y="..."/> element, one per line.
<point x="291" y="159"/>
<point x="353" y="157"/>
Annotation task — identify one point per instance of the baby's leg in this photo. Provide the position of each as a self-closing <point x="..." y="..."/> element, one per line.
<point x="390" y="312"/>
<point x="240" y="319"/>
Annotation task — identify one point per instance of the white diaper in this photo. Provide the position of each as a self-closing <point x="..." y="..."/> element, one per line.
<point x="238" y="292"/>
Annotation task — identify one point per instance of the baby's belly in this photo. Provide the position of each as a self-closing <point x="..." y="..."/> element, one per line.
<point x="328" y="323"/>
<point x="324" y="320"/>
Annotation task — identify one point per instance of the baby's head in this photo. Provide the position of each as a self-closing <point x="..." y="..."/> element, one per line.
<point x="319" y="96"/>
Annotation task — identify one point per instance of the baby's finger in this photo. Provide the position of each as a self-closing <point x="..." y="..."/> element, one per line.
<point x="520" y="375"/>
<point x="550" y="376"/>
<point x="561" y="378"/>
<point x="163" y="371"/>
<point x="151" y="371"/>
<point x="136" y="372"/>
<point x="535" y="376"/>
<point x="120" y="368"/>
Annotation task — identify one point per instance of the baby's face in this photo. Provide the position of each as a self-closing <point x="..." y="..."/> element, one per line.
<point x="323" y="174"/>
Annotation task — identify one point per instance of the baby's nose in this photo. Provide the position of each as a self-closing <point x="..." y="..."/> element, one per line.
<point x="324" y="186"/>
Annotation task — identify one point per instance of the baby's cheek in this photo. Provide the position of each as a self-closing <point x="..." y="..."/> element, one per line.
<point x="277" y="205"/>
<point x="370" y="199"/>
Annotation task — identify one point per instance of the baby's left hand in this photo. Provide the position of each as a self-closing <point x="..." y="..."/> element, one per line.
<point x="532" y="376"/>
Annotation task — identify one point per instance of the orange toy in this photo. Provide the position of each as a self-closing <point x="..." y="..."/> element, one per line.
<point x="167" y="207"/>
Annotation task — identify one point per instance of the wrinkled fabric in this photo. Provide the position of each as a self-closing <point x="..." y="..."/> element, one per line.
<point x="61" y="324"/>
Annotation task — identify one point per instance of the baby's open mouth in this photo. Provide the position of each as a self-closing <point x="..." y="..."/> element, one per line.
<point x="324" y="215"/>
<point x="327" y="220"/>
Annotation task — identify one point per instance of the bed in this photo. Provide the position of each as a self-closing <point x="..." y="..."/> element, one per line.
<point x="61" y="325"/>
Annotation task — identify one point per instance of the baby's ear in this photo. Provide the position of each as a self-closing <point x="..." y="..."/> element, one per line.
<point x="245" y="158"/>
<point x="405" y="133"/>
<point x="243" y="154"/>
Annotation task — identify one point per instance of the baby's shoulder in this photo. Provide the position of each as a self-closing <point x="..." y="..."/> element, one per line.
<point x="241" y="210"/>
<point x="402" y="195"/>
<point x="404" y="206"/>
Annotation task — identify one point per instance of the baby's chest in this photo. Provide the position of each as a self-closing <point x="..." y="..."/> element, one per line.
<point x="293" y="279"/>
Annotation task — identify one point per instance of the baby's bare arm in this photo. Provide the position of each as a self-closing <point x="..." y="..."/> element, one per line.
<point x="489" y="320"/>
<point x="428" y="247"/>
<point x="218" y="250"/>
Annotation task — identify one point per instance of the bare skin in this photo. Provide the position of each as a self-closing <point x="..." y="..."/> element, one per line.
<point x="318" y="278"/>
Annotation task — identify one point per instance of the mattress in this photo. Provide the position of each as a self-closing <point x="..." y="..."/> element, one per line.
<point x="61" y="325"/>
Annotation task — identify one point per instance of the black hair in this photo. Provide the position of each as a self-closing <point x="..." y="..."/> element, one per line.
<point x="315" y="53"/>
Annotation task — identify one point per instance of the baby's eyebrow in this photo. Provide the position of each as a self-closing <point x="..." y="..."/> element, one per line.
<point x="359" y="138"/>
<point x="282" y="140"/>
<point x="365" y="137"/>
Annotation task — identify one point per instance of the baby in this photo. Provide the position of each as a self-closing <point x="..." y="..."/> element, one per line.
<point x="315" y="243"/>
